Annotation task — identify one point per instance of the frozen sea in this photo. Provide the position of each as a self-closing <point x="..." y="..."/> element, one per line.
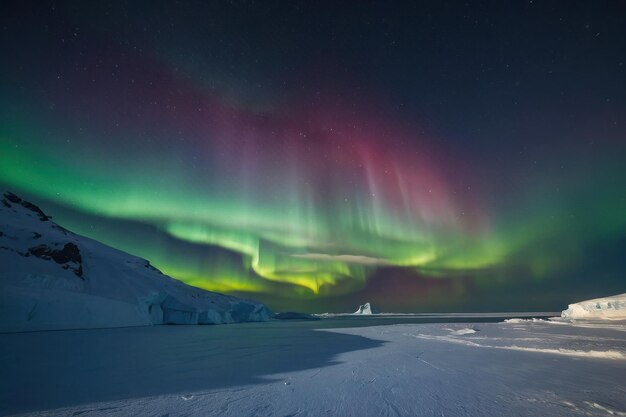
<point x="421" y="365"/>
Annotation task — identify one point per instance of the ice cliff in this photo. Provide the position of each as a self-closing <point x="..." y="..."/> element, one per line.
<point x="51" y="278"/>
<point x="600" y="308"/>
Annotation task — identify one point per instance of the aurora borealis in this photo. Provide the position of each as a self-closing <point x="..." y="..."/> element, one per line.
<point x="421" y="157"/>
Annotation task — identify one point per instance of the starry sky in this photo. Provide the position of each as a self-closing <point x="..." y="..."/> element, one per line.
<point x="423" y="156"/>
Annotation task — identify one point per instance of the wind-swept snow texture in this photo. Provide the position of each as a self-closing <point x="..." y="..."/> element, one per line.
<point x="521" y="368"/>
<point x="611" y="308"/>
<point x="51" y="278"/>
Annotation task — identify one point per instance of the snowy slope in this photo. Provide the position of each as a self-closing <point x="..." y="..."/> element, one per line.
<point x="600" y="308"/>
<point x="366" y="309"/>
<point x="51" y="278"/>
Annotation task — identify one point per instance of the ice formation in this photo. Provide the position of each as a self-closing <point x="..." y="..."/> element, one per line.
<point x="51" y="278"/>
<point x="612" y="308"/>
<point x="366" y="309"/>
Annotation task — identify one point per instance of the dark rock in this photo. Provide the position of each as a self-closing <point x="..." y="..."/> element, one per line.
<point x="69" y="253"/>
<point x="12" y="198"/>
<point x="152" y="268"/>
<point x="41" y="251"/>
<point x="32" y="207"/>
<point x="26" y="204"/>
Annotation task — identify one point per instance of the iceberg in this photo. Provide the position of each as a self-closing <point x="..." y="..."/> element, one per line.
<point x="366" y="309"/>
<point x="610" y="308"/>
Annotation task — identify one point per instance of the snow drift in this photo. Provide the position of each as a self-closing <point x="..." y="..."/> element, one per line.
<point x="366" y="309"/>
<point x="51" y="278"/>
<point x="600" y="308"/>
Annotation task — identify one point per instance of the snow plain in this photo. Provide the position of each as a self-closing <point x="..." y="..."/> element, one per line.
<point x="340" y="367"/>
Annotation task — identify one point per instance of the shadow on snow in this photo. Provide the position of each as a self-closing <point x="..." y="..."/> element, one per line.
<point x="47" y="370"/>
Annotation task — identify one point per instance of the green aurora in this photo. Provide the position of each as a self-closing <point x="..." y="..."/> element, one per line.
<point x="308" y="206"/>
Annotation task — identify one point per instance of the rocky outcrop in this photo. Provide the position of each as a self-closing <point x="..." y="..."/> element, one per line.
<point x="69" y="256"/>
<point x="12" y="198"/>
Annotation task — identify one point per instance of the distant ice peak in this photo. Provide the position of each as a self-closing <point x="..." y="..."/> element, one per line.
<point x="366" y="309"/>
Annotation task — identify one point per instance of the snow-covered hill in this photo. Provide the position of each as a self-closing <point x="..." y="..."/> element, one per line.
<point x="51" y="278"/>
<point x="613" y="308"/>
<point x="366" y="309"/>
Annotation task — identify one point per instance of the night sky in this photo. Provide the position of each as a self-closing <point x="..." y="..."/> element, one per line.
<point x="423" y="156"/>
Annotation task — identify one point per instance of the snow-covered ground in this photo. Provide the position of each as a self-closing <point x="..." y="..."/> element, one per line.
<point x="522" y="367"/>
<point x="51" y="278"/>
<point x="607" y="308"/>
